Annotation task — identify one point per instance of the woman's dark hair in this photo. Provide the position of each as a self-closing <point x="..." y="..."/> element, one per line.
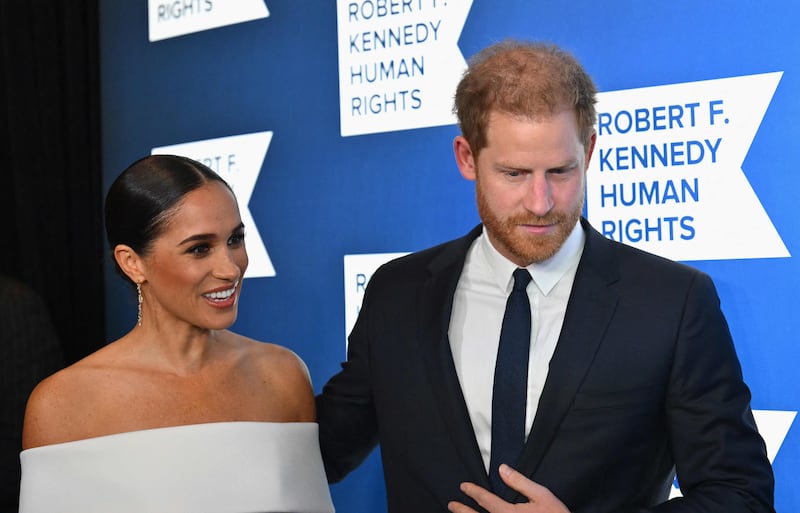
<point x="141" y="200"/>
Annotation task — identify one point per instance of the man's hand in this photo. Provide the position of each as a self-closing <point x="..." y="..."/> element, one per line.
<point x="540" y="499"/>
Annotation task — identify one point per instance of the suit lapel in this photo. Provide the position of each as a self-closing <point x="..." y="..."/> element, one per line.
<point x="435" y="306"/>
<point x="589" y="310"/>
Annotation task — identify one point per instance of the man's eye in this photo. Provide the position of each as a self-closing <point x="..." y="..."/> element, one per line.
<point x="563" y="170"/>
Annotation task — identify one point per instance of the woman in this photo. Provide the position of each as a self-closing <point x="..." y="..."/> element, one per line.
<point x="179" y="414"/>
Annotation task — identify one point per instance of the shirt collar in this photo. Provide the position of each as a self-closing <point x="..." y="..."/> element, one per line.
<point x="545" y="274"/>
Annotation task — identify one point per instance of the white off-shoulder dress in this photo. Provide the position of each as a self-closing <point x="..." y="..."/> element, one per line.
<point x="223" y="467"/>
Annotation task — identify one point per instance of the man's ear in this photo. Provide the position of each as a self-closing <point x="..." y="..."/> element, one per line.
<point x="590" y="149"/>
<point x="465" y="159"/>
<point x="130" y="262"/>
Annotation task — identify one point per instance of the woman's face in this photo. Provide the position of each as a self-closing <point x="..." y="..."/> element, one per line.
<point x="195" y="267"/>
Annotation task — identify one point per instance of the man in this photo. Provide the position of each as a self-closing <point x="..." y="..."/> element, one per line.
<point x="29" y="351"/>
<point x="630" y="373"/>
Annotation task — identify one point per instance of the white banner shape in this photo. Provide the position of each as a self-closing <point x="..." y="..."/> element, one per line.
<point x="358" y="270"/>
<point x="666" y="175"/>
<point x="168" y="18"/>
<point x="399" y="63"/>
<point x="773" y="426"/>
<point x="238" y="160"/>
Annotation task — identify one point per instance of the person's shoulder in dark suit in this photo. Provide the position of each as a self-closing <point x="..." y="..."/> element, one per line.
<point x="29" y="351"/>
<point x="420" y="264"/>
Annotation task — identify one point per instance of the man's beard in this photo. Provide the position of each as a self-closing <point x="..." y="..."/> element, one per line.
<point x="527" y="248"/>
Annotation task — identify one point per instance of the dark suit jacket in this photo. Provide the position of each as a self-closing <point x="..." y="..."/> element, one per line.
<point x="644" y="378"/>
<point x="29" y="352"/>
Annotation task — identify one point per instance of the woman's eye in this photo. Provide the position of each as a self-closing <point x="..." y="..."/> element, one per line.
<point x="199" y="249"/>
<point x="236" y="239"/>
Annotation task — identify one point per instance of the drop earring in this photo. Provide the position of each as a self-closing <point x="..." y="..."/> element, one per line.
<point x="139" y="299"/>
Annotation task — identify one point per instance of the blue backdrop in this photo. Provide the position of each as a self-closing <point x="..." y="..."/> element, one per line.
<point x="344" y="175"/>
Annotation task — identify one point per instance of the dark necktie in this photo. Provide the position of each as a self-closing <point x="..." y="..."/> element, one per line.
<point x="511" y="383"/>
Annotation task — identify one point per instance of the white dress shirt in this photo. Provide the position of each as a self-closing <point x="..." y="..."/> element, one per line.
<point x="478" y="307"/>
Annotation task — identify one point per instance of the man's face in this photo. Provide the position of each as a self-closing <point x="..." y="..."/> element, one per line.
<point x="529" y="182"/>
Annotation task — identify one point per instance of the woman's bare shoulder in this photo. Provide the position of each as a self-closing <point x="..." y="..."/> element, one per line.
<point x="284" y="376"/>
<point x="61" y="404"/>
<point x="273" y="357"/>
<point x="54" y="405"/>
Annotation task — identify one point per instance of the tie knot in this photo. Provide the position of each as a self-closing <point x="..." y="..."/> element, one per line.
<point x="521" y="279"/>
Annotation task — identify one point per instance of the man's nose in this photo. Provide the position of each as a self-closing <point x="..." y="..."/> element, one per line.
<point x="538" y="195"/>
